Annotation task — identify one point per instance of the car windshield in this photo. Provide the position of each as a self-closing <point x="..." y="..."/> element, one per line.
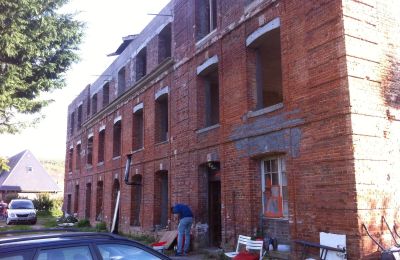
<point x="21" y="205"/>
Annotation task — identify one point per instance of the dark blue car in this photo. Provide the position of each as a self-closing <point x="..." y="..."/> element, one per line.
<point x="47" y="245"/>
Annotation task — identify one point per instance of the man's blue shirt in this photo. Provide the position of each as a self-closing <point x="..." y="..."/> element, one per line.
<point x="183" y="211"/>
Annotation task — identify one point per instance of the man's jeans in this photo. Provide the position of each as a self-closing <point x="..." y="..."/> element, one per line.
<point x="184" y="229"/>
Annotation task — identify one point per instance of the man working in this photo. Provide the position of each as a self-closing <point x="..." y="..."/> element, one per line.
<point x="185" y="223"/>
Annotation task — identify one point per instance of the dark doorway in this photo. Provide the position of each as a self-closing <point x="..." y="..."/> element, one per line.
<point x="115" y="190"/>
<point x="214" y="204"/>
<point x="161" y="198"/>
<point x="88" y="200"/>
<point x="136" y="199"/>
<point x="99" y="201"/>
<point x="76" y="202"/>
<point x="69" y="203"/>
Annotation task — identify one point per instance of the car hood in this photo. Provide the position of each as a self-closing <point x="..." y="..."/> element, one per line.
<point x="21" y="211"/>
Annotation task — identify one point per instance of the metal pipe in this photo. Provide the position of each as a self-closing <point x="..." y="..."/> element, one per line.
<point x="127" y="170"/>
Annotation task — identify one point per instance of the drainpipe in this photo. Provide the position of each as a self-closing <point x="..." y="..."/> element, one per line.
<point x="127" y="170"/>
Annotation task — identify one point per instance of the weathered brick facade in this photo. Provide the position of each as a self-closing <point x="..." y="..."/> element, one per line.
<point x="337" y="127"/>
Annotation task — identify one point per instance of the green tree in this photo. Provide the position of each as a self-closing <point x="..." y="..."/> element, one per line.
<point x="38" y="45"/>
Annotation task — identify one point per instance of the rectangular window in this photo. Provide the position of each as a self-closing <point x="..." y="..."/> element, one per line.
<point x="79" y="116"/>
<point x="121" y="81"/>
<point x="206" y="17"/>
<point x="78" y="157"/>
<point x="94" y="104"/>
<point x="274" y="188"/>
<point x="164" y="44"/>
<point x="106" y="94"/>
<point x="90" y="151"/>
<point x="141" y="64"/>
<point x="102" y="137"/>
<point x="72" y="123"/>
<point x="137" y="126"/>
<point x="117" y="139"/>
<point x="161" y="119"/>
<point x="211" y="94"/>
<point x="70" y="159"/>
<point x="269" y="70"/>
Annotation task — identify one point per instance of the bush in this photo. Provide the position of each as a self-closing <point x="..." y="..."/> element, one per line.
<point x="83" y="223"/>
<point x="101" y="226"/>
<point x="57" y="204"/>
<point x="43" y="202"/>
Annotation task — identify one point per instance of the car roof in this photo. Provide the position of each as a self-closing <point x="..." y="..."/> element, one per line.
<point x="31" y="238"/>
<point x="26" y="236"/>
<point x="21" y="240"/>
<point x="21" y="200"/>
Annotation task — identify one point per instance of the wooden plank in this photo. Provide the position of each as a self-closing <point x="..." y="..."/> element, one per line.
<point x="168" y="237"/>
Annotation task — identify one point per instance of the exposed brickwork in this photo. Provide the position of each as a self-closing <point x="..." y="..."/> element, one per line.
<point x="337" y="127"/>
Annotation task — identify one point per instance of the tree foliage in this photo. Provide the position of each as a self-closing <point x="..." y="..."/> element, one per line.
<point x="38" y="45"/>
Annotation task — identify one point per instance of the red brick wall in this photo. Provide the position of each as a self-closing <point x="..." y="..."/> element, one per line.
<point x="372" y="63"/>
<point x="336" y="129"/>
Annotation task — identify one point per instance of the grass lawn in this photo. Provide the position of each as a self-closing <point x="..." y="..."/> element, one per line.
<point x="50" y="221"/>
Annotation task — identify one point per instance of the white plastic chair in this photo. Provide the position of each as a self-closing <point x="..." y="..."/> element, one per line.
<point x="242" y="240"/>
<point x="255" y="245"/>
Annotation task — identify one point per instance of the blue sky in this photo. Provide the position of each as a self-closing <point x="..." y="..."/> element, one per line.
<point x="106" y="23"/>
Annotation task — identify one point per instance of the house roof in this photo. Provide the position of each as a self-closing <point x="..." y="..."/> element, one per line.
<point x="125" y="42"/>
<point x="26" y="174"/>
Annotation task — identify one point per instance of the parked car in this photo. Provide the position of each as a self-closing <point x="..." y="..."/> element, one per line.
<point x="21" y="211"/>
<point x="62" y="245"/>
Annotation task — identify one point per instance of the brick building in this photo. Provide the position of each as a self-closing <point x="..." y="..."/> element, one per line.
<point x="276" y="117"/>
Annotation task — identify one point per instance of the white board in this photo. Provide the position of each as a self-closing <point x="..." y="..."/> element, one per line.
<point x="333" y="240"/>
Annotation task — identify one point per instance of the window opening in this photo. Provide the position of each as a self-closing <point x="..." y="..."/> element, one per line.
<point x="274" y="187"/>
<point x="164" y="44"/>
<point x="206" y="17"/>
<point x="137" y="126"/>
<point x="88" y="106"/>
<point x="90" y="151"/>
<point x="79" y="116"/>
<point x="117" y="139"/>
<point x="269" y="70"/>
<point x="121" y="81"/>
<point x="141" y="63"/>
<point x="70" y="157"/>
<point x="161" y="118"/>
<point x="100" y="152"/>
<point x="106" y="94"/>
<point x="72" y="125"/>
<point x="78" y="157"/>
<point x="211" y="102"/>
<point x="94" y="104"/>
